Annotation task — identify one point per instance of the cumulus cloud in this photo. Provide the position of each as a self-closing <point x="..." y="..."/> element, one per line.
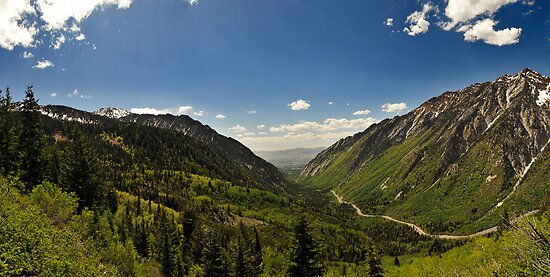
<point x="56" y="13"/>
<point x="43" y="64"/>
<point x="282" y="142"/>
<point x="73" y="94"/>
<point x="330" y="102"/>
<point x="80" y="37"/>
<point x="418" y="22"/>
<point x="299" y="105"/>
<point x="394" y="107"/>
<point x="474" y="18"/>
<point x="14" y="28"/>
<point x="251" y="112"/>
<point x="58" y="42"/>
<point x="302" y="133"/>
<point x="27" y="55"/>
<point x="193" y="2"/>
<point x="388" y="22"/>
<point x="328" y="125"/>
<point x="53" y="94"/>
<point x="220" y="116"/>
<point x="174" y="111"/>
<point x="463" y="11"/>
<point x="238" y="129"/>
<point x="199" y="113"/>
<point x="484" y="30"/>
<point x="21" y="21"/>
<point x="363" y="112"/>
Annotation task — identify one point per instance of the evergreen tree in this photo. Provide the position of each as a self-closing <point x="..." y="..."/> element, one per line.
<point x="214" y="261"/>
<point x="396" y="261"/>
<point x="8" y="136"/>
<point x="80" y="172"/>
<point x="256" y="259"/>
<point x="305" y="253"/>
<point x="31" y="141"/>
<point x="374" y="260"/>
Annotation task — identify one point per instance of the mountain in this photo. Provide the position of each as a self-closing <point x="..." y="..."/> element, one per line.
<point x="260" y="171"/>
<point x="115" y="113"/>
<point x="225" y="146"/>
<point x="452" y="164"/>
<point x="293" y="158"/>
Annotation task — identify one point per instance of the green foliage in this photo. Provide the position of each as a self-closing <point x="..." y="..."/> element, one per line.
<point x="31" y="141"/>
<point x="521" y="251"/>
<point x="304" y="260"/>
<point x="30" y="242"/>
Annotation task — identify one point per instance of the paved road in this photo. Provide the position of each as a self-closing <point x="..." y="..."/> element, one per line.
<point x="418" y="229"/>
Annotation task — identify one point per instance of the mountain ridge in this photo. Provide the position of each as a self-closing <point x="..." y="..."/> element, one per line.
<point x="472" y="144"/>
<point x="227" y="147"/>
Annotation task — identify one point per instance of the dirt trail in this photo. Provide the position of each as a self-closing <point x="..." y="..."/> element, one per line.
<point x="418" y="229"/>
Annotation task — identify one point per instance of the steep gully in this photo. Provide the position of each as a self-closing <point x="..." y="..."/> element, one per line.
<point x="419" y="230"/>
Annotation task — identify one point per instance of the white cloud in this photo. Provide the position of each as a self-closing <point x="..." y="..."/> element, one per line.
<point x="328" y="125"/>
<point x="260" y="127"/>
<point x="193" y="2"/>
<point x="27" y="55"/>
<point x="395" y="107"/>
<point x="184" y="110"/>
<point x="330" y="102"/>
<point x="150" y="111"/>
<point x="199" y="113"/>
<point x="251" y="112"/>
<point x="282" y="142"/>
<point x="74" y="28"/>
<point x="484" y="30"/>
<point x="58" y="42"/>
<point x="73" y="94"/>
<point x="303" y="133"/>
<point x="388" y="22"/>
<point x="238" y="129"/>
<point x="174" y="111"/>
<point x="418" y="22"/>
<point x="53" y="94"/>
<point x="299" y="105"/>
<point x="220" y="116"/>
<point x="85" y="96"/>
<point x="56" y="13"/>
<point x="22" y="20"/>
<point x="363" y="112"/>
<point x="43" y="64"/>
<point x="462" y="11"/>
<point x="80" y="37"/>
<point x="14" y="29"/>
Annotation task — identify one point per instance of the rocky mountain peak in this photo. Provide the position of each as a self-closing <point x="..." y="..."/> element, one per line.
<point x="115" y="113"/>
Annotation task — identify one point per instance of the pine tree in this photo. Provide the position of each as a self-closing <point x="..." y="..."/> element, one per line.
<point x="214" y="261"/>
<point x="8" y="136"/>
<point x="80" y="172"/>
<point x="31" y="141"/>
<point x="374" y="260"/>
<point x="256" y="259"/>
<point x="305" y="253"/>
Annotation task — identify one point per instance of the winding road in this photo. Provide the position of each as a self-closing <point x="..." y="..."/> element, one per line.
<point x="419" y="230"/>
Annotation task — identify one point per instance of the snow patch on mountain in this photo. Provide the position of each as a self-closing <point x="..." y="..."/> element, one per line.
<point x="115" y="113"/>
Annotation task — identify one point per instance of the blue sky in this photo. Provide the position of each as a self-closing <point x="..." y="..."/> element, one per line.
<point x="236" y="65"/>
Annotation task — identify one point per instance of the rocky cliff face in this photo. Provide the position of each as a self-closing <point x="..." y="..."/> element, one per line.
<point x="475" y="144"/>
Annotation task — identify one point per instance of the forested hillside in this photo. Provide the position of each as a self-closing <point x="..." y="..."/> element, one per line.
<point x="453" y="164"/>
<point x="107" y="198"/>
